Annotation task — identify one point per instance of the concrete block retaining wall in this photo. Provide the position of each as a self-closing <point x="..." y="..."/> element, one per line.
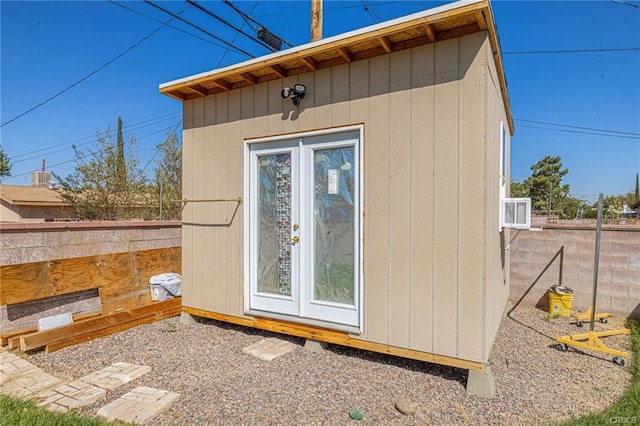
<point x="618" y="270"/>
<point x="39" y="242"/>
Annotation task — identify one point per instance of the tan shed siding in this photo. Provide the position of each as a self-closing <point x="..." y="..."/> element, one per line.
<point x="445" y="203"/>
<point x="498" y="264"/>
<point x="188" y="177"/>
<point x="240" y="123"/>
<point x="424" y="163"/>
<point x="376" y="204"/>
<point x="201" y="191"/>
<point x="400" y="136"/>
<point x="472" y="196"/>
<point x="422" y="215"/>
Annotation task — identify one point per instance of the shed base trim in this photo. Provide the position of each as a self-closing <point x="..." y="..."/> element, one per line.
<point x="335" y="337"/>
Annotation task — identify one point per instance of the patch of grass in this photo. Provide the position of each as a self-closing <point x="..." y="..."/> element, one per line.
<point x="627" y="409"/>
<point x="16" y="412"/>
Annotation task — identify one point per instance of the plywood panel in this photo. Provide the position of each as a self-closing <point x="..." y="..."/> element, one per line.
<point x="289" y="111"/>
<point x="306" y="116"/>
<point x="422" y="165"/>
<point x="275" y="107"/>
<point x="198" y="193"/>
<point x="188" y="175"/>
<point x="376" y="274"/>
<point x="400" y="136"/>
<point x="322" y="86"/>
<point x="446" y="203"/>
<point x="358" y="86"/>
<point x="498" y="259"/>
<point x="123" y="278"/>
<point x="472" y="235"/>
<point x="340" y="95"/>
<point x="237" y="131"/>
<point x="260" y="109"/>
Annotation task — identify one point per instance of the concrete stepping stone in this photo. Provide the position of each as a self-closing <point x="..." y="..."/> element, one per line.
<point x="139" y="406"/>
<point x="269" y="349"/>
<point x="19" y="378"/>
<point x="116" y="375"/>
<point x="67" y="396"/>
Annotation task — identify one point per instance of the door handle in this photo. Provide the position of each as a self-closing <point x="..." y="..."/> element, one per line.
<point x="295" y="240"/>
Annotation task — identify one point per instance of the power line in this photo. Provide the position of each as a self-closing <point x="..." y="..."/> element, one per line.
<point x="174" y="127"/>
<point x="585" y="133"/>
<point x="537" y="52"/>
<point x="170" y="26"/>
<point x="230" y="25"/>
<point x="245" y="16"/>
<point x="626" y="4"/>
<point x="236" y="36"/>
<point x="88" y="75"/>
<point x="68" y="145"/>
<point x="370" y="7"/>
<point x="173" y="131"/>
<point x="168" y="12"/>
<point x="577" y="127"/>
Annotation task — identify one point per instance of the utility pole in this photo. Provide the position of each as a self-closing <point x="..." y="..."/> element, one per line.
<point x="550" y="188"/>
<point x="316" y="20"/>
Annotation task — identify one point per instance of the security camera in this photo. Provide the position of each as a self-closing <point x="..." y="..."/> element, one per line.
<point x="296" y="92"/>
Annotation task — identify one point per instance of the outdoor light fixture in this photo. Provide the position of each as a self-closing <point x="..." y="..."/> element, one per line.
<point x="296" y="92"/>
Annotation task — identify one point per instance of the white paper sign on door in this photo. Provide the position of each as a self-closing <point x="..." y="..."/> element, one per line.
<point x="333" y="178"/>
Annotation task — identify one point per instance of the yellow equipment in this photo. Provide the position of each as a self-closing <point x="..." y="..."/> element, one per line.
<point x="603" y="318"/>
<point x="591" y="340"/>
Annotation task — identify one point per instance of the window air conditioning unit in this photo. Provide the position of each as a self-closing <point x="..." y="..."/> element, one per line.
<point x="516" y="213"/>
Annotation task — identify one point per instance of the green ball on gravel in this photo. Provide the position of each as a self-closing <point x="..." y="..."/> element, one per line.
<point x="356" y="414"/>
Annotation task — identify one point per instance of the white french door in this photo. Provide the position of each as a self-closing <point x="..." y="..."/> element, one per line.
<point x="304" y="227"/>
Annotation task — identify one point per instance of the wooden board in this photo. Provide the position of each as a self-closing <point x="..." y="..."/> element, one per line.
<point x="5" y="337"/>
<point x="114" y="329"/>
<point x="336" y="337"/>
<point x="121" y="277"/>
<point x="47" y="337"/>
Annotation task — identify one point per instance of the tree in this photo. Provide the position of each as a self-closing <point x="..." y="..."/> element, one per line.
<point x="5" y="164"/>
<point x="121" y="173"/>
<point x="168" y="177"/>
<point x="544" y="186"/>
<point x="545" y="183"/>
<point x="637" y="189"/>
<point x="104" y="186"/>
<point x="518" y="190"/>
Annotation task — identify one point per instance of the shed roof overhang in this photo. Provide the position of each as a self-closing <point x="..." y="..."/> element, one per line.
<point x="441" y="23"/>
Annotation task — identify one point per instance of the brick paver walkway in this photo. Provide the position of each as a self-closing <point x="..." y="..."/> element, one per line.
<point x="21" y="379"/>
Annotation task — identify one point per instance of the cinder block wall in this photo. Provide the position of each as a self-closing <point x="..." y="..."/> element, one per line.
<point x="38" y="242"/>
<point x="618" y="271"/>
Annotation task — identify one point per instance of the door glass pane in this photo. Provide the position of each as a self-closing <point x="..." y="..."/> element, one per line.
<point x="274" y="229"/>
<point x="333" y="207"/>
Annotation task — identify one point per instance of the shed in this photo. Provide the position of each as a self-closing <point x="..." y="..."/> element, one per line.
<point x="349" y="190"/>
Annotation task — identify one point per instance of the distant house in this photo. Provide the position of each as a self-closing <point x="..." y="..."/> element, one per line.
<point x="636" y="206"/>
<point x="327" y="189"/>
<point x="31" y="204"/>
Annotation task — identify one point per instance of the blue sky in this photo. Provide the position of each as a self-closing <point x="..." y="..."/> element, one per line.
<point x="48" y="46"/>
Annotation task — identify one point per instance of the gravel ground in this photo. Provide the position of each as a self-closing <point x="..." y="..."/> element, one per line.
<point x="219" y="384"/>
